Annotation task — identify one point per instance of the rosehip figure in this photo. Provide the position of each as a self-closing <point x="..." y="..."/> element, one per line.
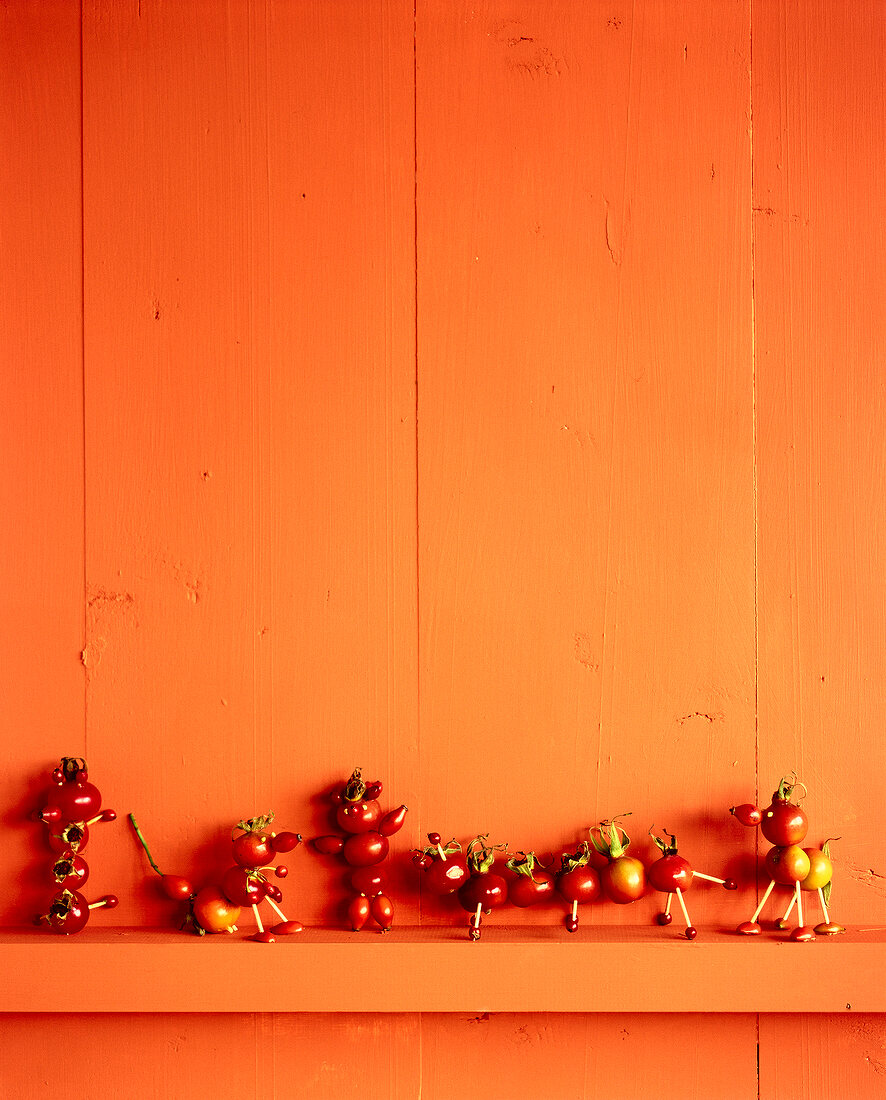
<point x="363" y="844"/>
<point x="672" y="875"/>
<point x="217" y="908"/>
<point x="246" y="884"/>
<point x="69" y="807"/>
<point x="532" y="883"/>
<point x="784" y="824"/>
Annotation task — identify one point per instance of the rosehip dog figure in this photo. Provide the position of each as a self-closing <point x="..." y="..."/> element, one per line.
<point x="363" y="846"/>
<point x="217" y="908"/>
<point x="784" y="824"/>
<point x="672" y="874"/>
<point x="246" y="884"/>
<point x="70" y="806"/>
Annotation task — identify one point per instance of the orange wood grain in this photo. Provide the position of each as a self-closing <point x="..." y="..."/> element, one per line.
<point x="550" y="1056"/>
<point x="812" y="1056"/>
<point x="431" y="1056"/>
<point x="41" y="423"/>
<point x="624" y="262"/>
<point x="820" y="231"/>
<point x="586" y="528"/>
<point x="250" y="339"/>
<point x="148" y="1056"/>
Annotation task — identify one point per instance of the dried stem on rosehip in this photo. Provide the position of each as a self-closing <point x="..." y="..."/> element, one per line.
<point x="144" y="844"/>
<point x="174" y="886"/>
<point x="355" y="788"/>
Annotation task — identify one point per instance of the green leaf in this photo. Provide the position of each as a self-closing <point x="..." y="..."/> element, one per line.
<point x="599" y="845"/>
<point x="259" y="824"/>
<point x="659" y="842"/>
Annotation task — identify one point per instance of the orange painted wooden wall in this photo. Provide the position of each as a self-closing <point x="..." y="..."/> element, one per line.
<point x="488" y="394"/>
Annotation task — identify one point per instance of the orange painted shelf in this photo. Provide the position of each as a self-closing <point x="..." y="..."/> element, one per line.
<point x="599" y="969"/>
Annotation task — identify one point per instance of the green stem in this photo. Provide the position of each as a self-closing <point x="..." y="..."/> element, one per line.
<point x="144" y="844"/>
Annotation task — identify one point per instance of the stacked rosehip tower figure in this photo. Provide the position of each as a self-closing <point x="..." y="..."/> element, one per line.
<point x="71" y="805"/>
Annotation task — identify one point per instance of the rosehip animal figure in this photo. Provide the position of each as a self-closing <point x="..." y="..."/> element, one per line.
<point x="363" y="843"/>
<point x="246" y="883"/>
<point x="784" y="824"/>
<point x="217" y="908"/>
<point x="672" y="874"/>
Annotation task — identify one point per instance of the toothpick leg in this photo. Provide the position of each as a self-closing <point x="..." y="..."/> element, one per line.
<point x="763" y="900"/>
<point x="790" y="908"/>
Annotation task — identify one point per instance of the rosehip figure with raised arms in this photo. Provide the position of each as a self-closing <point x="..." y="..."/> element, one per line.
<point x="363" y="844"/>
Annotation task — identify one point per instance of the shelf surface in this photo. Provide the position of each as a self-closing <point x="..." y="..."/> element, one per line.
<point x="438" y="969"/>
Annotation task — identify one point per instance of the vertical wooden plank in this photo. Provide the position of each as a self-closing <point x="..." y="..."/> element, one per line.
<point x="819" y="181"/>
<point x="340" y="498"/>
<point x="250" y="470"/>
<point x="176" y="304"/>
<point x="820" y="1055"/>
<point x="250" y="416"/>
<point x="586" y="535"/>
<point x="41" y="485"/>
